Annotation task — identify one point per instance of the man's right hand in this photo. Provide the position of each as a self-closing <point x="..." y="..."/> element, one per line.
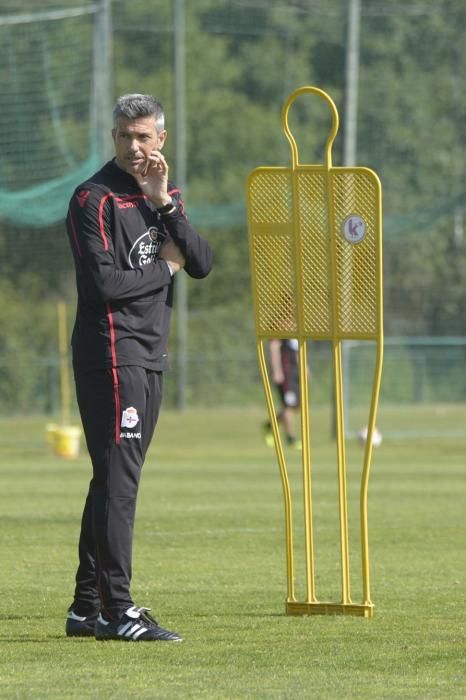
<point x="170" y="252"/>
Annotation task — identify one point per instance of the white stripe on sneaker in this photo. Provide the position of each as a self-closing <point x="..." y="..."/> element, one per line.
<point x="101" y="619"/>
<point x="133" y="629"/>
<point x="139" y="632"/>
<point x="73" y="616"/>
<point x="122" y="629"/>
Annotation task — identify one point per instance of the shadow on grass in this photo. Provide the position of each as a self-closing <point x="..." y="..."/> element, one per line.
<point x="4" y="639"/>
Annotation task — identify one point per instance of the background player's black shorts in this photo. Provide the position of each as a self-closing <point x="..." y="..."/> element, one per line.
<point x="289" y="391"/>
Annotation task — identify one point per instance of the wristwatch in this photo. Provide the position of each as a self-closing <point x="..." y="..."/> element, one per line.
<point x="167" y="208"/>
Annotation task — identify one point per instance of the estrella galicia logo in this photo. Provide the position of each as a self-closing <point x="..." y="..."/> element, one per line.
<point x="145" y="249"/>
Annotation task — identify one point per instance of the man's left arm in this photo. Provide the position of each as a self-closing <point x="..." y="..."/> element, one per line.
<point x="194" y="248"/>
<point x="153" y="181"/>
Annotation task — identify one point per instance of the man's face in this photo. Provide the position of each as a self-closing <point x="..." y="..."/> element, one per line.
<point x="134" y="140"/>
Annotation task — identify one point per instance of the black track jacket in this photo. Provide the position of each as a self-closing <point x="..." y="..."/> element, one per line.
<point x="125" y="291"/>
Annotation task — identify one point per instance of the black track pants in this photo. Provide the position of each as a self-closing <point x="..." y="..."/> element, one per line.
<point x="119" y="410"/>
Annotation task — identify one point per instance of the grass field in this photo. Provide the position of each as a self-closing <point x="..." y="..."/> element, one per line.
<point x="209" y="558"/>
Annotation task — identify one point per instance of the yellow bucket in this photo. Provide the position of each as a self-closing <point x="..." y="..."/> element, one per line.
<point x="64" y="440"/>
<point x="50" y="430"/>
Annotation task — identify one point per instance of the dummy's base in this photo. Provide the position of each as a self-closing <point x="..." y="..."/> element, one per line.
<point x="362" y="610"/>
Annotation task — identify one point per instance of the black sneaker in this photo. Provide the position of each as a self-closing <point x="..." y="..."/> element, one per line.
<point x="79" y="626"/>
<point x="135" y="625"/>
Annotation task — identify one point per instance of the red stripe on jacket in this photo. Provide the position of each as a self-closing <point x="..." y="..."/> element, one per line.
<point x="101" y="219"/>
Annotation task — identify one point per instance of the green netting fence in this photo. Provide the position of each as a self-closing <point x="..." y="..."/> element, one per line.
<point x="48" y="123"/>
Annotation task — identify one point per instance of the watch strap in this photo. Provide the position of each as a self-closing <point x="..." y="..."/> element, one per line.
<point x="167" y="208"/>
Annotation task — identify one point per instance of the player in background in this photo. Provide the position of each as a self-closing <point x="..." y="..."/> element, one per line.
<point x="283" y="356"/>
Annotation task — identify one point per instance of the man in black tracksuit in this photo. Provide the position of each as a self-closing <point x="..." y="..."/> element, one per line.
<point x="129" y="235"/>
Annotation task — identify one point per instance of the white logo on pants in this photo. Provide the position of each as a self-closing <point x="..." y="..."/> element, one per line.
<point x="129" y="418"/>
